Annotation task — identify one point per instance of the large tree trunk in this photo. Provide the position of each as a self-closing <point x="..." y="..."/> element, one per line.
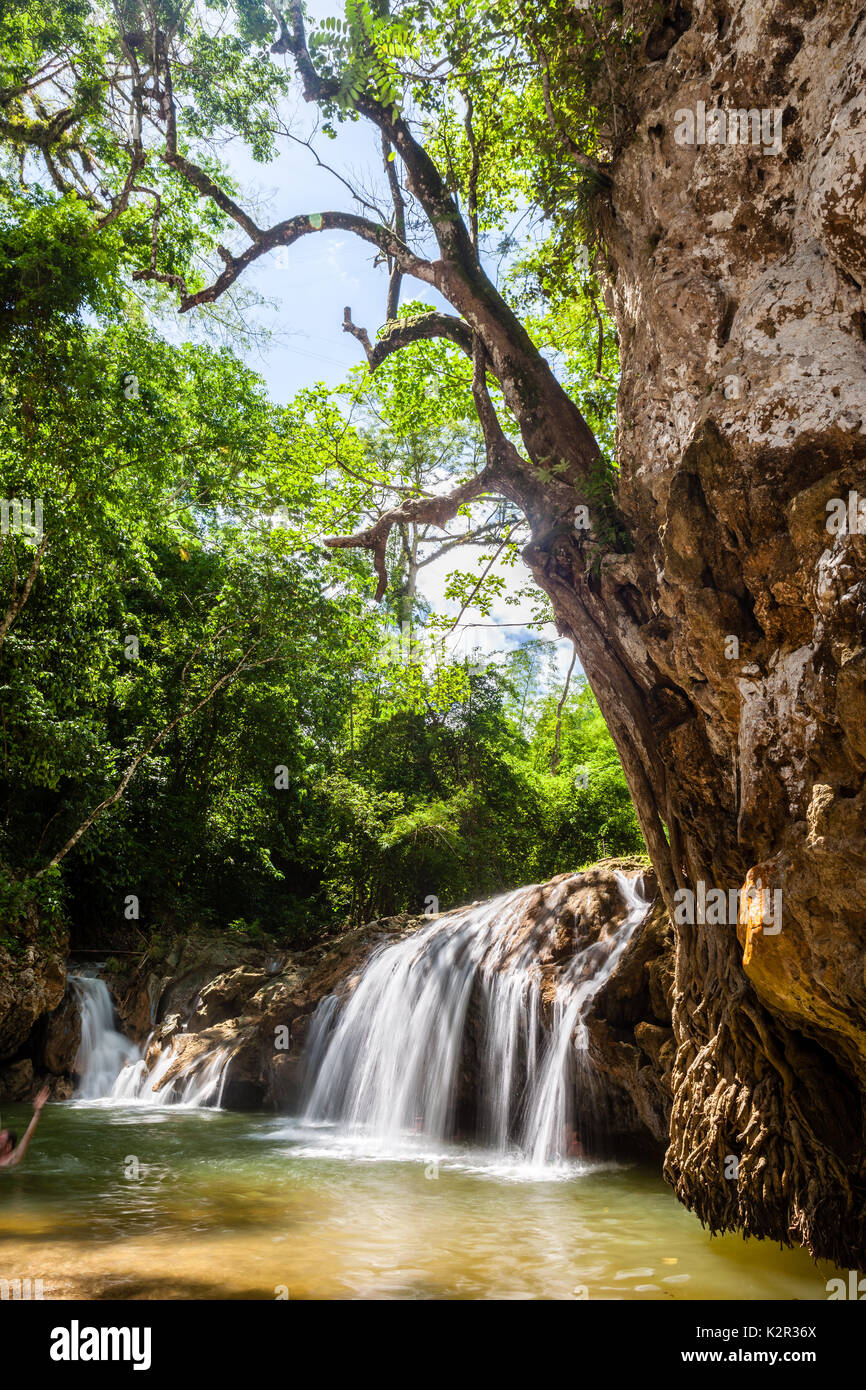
<point x="737" y="271"/>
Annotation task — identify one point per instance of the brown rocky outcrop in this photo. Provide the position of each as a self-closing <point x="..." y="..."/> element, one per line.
<point x="32" y="983"/>
<point x="258" y="1009"/>
<point x="17" y="1080"/>
<point x="62" y="1036"/>
<point x="737" y="276"/>
<point x="632" y="1044"/>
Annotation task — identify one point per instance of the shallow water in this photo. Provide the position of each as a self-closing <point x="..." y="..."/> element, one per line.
<point x="135" y="1202"/>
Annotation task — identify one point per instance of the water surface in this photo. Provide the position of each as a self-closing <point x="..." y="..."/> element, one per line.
<point x="140" y="1202"/>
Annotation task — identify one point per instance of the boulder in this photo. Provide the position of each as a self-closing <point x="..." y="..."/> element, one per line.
<point x="17" y="1081"/>
<point x="32" y="983"/>
<point x="62" y="1037"/>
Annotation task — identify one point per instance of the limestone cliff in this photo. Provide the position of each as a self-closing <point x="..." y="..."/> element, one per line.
<point x="737" y="276"/>
<point x="32" y="983"/>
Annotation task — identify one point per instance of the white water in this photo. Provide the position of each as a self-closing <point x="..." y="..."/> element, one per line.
<point x="103" y="1052"/>
<point x="113" y="1069"/>
<point x="386" y="1064"/>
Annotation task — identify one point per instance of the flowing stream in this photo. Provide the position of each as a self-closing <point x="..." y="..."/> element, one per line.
<point x="113" y="1069"/>
<point x="388" y="1062"/>
<point x="130" y="1191"/>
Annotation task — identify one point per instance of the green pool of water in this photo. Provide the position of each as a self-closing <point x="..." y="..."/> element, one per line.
<point x="146" y="1203"/>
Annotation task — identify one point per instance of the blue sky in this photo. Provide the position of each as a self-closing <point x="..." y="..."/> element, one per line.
<point x="307" y="287"/>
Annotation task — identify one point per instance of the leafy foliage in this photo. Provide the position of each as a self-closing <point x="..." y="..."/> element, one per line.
<point x="203" y="719"/>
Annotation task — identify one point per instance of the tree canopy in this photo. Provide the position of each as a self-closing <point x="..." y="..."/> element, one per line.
<point x="206" y="714"/>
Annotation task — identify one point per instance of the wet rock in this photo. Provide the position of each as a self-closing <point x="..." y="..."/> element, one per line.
<point x="62" y="1037"/>
<point x="32" y="982"/>
<point x="632" y="1044"/>
<point x="17" y="1081"/>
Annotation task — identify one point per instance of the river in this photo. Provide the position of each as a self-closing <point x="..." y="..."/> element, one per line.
<point x="127" y="1201"/>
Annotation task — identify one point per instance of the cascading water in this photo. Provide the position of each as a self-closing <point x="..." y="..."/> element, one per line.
<point x="111" y="1068"/>
<point x="201" y="1085"/>
<point x="389" y="1061"/>
<point x="103" y="1052"/>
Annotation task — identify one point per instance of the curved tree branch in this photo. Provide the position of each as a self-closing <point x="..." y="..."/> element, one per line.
<point x="286" y="234"/>
<point x="400" y="332"/>
<point x="438" y="510"/>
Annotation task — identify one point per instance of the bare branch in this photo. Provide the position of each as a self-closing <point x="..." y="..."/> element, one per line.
<point x="490" y="531"/>
<point x="360" y="333"/>
<point x="286" y="234"/>
<point x="438" y="510"/>
<point x="423" y="178"/>
<point x="400" y="332"/>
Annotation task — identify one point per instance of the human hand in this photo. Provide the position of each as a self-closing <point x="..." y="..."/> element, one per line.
<point x="41" y="1098"/>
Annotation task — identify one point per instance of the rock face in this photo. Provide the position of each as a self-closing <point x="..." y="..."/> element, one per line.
<point x="61" y="1037"/>
<point x="32" y="983"/>
<point x="259" y="1009"/>
<point x="17" y="1080"/>
<point x="632" y="1047"/>
<point x="737" y="276"/>
<point x="255" y="1001"/>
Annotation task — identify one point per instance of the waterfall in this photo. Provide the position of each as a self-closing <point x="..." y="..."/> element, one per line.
<point x="102" y="1052"/>
<point x="112" y="1068"/>
<point x="389" y="1060"/>
<point x="201" y="1085"/>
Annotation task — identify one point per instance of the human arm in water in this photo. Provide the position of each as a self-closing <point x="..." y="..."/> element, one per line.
<point x="14" y="1155"/>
